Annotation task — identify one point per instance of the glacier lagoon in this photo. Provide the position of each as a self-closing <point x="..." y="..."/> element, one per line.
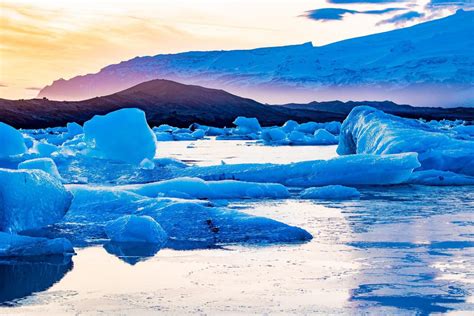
<point x="398" y="249"/>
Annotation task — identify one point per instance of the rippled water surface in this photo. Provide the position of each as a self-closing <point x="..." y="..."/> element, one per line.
<point x="401" y="249"/>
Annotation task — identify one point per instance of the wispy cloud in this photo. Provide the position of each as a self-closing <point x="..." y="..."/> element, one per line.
<point x="364" y="1"/>
<point x="452" y="3"/>
<point x="33" y="88"/>
<point x="328" y="14"/>
<point x="404" y="17"/>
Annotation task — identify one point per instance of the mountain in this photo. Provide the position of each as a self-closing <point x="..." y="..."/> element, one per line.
<point x="180" y="105"/>
<point x="429" y="64"/>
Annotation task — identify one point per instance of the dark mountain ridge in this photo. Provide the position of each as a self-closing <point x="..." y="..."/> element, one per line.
<point x="178" y="104"/>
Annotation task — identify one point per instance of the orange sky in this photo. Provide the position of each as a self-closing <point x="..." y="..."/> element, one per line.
<point x="44" y="40"/>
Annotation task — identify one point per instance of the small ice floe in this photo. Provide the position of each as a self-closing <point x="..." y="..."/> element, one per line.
<point x="330" y="192"/>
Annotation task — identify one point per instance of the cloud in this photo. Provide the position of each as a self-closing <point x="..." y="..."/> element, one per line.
<point x="364" y="1"/>
<point x="451" y="3"/>
<point x="328" y="14"/>
<point x="402" y="18"/>
<point x="2" y="85"/>
<point x="33" y="88"/>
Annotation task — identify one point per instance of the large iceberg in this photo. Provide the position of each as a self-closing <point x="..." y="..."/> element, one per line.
<point x="199" y="189"/>
<point x="246" y="125"/>
<point x="11" y="141"/>
<point x="369" y="131"/>
<point x="350" y="170"/>
<point x="12" y="245"/>
<point x="135" y="229"/>
<point x="30" y="199"/>
<point x="122" y="135"/>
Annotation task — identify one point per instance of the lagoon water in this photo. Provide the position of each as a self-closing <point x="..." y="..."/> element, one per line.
<point x="399" y="249"/>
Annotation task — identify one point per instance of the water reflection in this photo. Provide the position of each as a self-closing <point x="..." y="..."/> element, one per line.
<point x="21" y="278"/>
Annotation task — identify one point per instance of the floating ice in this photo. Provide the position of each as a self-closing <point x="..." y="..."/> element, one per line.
<point x="440" y="178"/>
<point x="30" y="199"/>
<point x="137" y="229"/>
<point x="11" y="141"/>
<point x="74" y="129"/>
<point x="44" y="149"/>
<point x="12" y="245"/>
<point x="192" y="221"/>
<point x="323" y="137"/>
<point x="123" y="135"/>
<point x="246" y="125"/>
<point x="274" y="135"/>
<point x="345" y="170"/>
<point x="370" y="131"/>
<point x="200" y="189"/>
<point x="330" y="192"/>
<point x="45" y="164"/>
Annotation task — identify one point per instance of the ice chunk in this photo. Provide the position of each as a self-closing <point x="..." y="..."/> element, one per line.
<point x="274" y="135"/>
<point x="30" y="199"/>
<point x="440" y="178"/>
<point x="330" y="192"/>
<point x="123" y="135"/>
<point x="308" y="127"/>
<point x="323" y="137"/>
<point x="12" y="245"/>
<point x="350" y="170"/>
<point x="74" y="129"/>
<point x="147" y="164"/>
<point x="137" y="229"/>
<point x="200" y="189"/>
<point x="289" y="126"/>
<point x="45" y="164"/>
<point x="246" y="125"/>
<point x="370" y="131"/>
<point x="44" y="149"/>
<point x="193" y="221"/>
<point x="333" y="127"/>
<point x="11" y="141"/>
<point x="198" y="134"/>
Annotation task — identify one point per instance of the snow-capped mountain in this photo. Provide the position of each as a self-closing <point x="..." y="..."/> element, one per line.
<point x="429" y="64"/>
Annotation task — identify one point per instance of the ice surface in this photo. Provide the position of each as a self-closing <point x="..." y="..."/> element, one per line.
<point x="45" y="164"/>
<point x="12" y="245"/>
<point x="30" y="199"/>
<point x="199" y="189"/>
<point x="74" y="129"/>
<point x="345" y="170"/>
<point x="11" y="141"/>
<point x="370" y="131"/>
<point x="136" y="229"/>
<point x="330" y="192"/>
<point x="123" y="135"/>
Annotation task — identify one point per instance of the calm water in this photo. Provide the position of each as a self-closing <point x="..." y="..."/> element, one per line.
<point x="403" y="249"/>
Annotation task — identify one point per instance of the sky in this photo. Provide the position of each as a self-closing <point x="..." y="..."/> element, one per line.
<point x="44" y="40"/>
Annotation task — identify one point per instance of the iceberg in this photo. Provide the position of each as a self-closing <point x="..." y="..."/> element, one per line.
<point x="369" y="131"/>
<point x="246" y="125"/>
<point x="74" y="129"/>
<point x="274" y="135"/>
<point x="323" y="137"/>
<point x="30" y="199"/>
<point x="135" y="229"/>
<point x="195" y="188"/>
<point x="352" y="170"/>
<point x="11" y="140"/>
<point x="12" y="245"/>
<point x="184" y="220"/>
<point x="122" y="135"/>
<point x="44" y="149"/>
<point x="330" y="192"/>
<point x="196" y="222"/>
<point x="45" y="164"/>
